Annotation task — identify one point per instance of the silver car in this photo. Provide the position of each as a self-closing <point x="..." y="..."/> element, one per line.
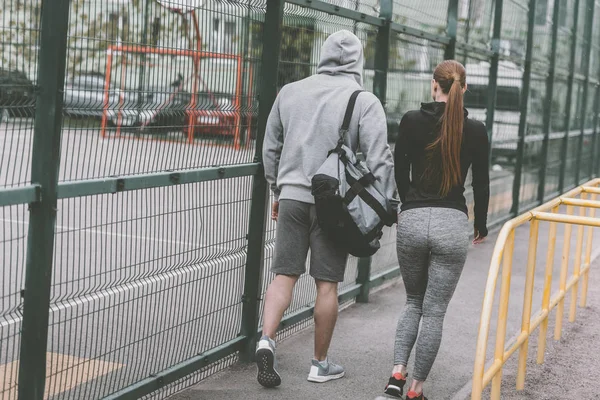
<point x="85" y="96"/>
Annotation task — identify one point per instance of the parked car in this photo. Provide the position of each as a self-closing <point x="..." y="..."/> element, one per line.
<point x="85" y="97"/>
<point x="157" y="110"/>
<point x="17" y="98"/>
<point x="213" y="114"/>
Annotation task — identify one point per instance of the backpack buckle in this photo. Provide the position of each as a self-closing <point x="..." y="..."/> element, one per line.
<point x="343" y="133"/>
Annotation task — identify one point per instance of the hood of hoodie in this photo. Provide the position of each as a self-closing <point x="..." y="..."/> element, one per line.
<point x="436" y="109"/>
<point x="342" y="54"/>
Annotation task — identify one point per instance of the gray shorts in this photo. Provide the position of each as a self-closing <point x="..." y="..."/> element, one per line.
<point x="297" y="231"/>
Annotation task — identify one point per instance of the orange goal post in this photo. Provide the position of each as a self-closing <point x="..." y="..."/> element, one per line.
<point x="197" y="72"/>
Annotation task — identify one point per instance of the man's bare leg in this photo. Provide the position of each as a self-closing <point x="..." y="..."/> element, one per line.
<point x="277" y="300"/>
<point x="326" y="313"/>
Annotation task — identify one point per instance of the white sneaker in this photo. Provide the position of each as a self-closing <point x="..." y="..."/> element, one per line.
<point x="265" y="361"/>
<point x="323" y="371"/>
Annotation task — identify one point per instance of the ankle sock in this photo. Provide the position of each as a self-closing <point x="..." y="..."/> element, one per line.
<point x="399" y="376"/>
<point x="324" y="363"/>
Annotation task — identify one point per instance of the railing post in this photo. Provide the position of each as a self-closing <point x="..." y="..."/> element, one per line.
<point x="577" y="265"/>
<point x="547" y="127"/>
<point x="564" y="270"/>
<point x="586" y="68"/>
<point x="588" y="258"/>
<point x="493" y="74"/>
<point x="524" y="108"/>
<point x="527" y="299"/>
<point x="571" y="77"/>
<point x="260" y="197"/>
<point x="503" y="312"/>
<point x="547" y="289"/>
<point x="42" y="215"/>
<point x="451" y="29"/>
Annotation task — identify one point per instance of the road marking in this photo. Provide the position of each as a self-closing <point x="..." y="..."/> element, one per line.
<point x="67" y="229"/>
<point x="137" y="284"/>
<point x="64" y="373"/>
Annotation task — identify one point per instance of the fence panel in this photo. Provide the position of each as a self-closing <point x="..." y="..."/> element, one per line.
<point x="19" y="33"/>
<point x="427" y="15"/>
<point x="160" y="259"/>
<point x="13" y="247"/>
<point x="558" y="115"/>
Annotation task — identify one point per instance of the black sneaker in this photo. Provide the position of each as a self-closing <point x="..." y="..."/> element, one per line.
<point x="415" y="396"/>
<point x="395" y="385"/>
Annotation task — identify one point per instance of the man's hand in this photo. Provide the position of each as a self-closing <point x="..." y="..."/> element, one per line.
<point x="478" y="238"/>
<point x="275" y="211"/>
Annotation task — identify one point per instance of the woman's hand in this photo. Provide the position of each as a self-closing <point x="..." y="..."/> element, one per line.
<point x="275" y="211"/>
<point x="478" y="238"/>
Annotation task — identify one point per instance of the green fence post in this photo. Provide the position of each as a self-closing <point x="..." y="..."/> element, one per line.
<point x="260" y="197"/>
<point x="142" y="75"/>
<point x="247" y="80"/>
<point x="363" y="279"/>
<point x="493" y="74"/>
<point x="451" y="29"/>
<point x="524" y="108"/>
<point x="382" y="52"/>
<point x="42" y="214"/>
<point x="571" y="77"/>
<point x="382" y="59"/>
<point x="586" y="68"/>
<point x="547" y="123"/>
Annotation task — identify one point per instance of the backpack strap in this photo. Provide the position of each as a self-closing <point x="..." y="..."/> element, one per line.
<point x="358" y="188"/>
<point x="348" y="116"/>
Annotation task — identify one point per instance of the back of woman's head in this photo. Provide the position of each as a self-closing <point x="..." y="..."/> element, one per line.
<point x="449" y="77"/>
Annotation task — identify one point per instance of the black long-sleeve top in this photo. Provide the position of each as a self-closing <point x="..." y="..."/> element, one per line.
<point x="418" y="129"/>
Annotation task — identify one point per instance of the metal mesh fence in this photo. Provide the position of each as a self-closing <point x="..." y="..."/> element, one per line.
<point x="144" y="282"/>
<point x="428" y="15"/>
<point x="13" y="240"/>
<point x="153" y="280"/>
<point x="165" y="90"/>
<point x="475" y="21"/>
<point x="20" y="23"/>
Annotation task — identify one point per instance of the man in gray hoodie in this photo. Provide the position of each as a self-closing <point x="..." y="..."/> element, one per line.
<point x="303" y="126"/>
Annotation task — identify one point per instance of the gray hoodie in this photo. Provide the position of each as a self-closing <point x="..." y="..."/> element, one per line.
<point x="306" y="117"/>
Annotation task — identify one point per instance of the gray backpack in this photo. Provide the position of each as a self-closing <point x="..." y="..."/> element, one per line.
<point x="351" y="208"/>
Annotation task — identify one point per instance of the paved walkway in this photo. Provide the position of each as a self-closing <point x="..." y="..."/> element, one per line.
<point x="364" y="338"/>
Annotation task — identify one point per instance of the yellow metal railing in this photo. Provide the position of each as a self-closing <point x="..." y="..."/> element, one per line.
<point x="503" y="255"/>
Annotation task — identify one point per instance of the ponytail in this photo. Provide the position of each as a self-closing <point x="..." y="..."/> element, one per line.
<point x="450" y="140"/>
<point x="450" y="76"/>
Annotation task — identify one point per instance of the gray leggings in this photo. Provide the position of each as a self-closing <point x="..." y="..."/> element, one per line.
<point x="432" y="249"/>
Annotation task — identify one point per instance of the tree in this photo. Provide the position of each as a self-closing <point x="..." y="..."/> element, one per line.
<point x="93" y="26"/>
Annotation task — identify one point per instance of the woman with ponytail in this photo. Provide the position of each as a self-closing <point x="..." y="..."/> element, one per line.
<point x="435" y="148"/>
